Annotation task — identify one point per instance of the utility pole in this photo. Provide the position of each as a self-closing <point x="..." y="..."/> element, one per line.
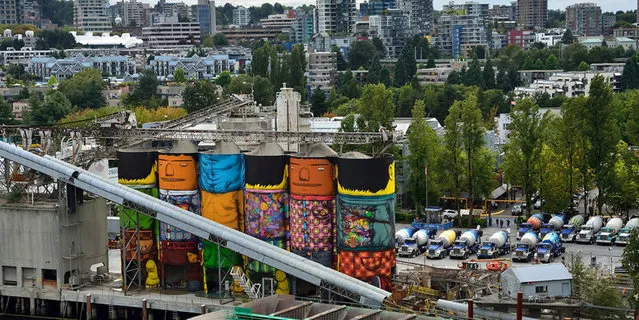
<point x="426" y="174"/>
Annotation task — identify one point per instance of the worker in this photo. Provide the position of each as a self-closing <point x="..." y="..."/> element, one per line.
<point x="508" y="223"/>
<point x="501" y="223"/>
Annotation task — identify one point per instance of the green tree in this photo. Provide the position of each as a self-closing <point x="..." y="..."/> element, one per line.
<point x="348" y="124"/>
<point x="452" y="159"/>
<point x="200" y="95"/>
<point x="49" y="111"/>
<point x="385" y="77"/>
<point x="146" y="92"/>
<point x="260" y="62"/>
<point x="625" y="191"/>
<point x="240" y="84"/>
<point x="208" y="42"/>
<point x="6" y="113"/>
<point x="375" y="71"/>
<point x="342" y="64"/>
<point x="84" y="89"/>
<point x="630" y="262"/>
<point x="630" y="75"/>
<point x="474" y="76"/>
<point x="376" y="108"/>
<point x="583" y="66"/>
<point x="424" y="146"/>
<point x="219" y="39"/>
<point x="380" y="49"/>
<point x="539" y="65"/>
<point x="570" y="140"/>
<point x="263" y="91"/>
<point x="361" y="54"/>
<point x="405" y="100"/>
<point x="223" y="79"/>
<point x="602" y="133"/>
<point x="489" y="75"/>
<point x="528" y="64"/>
<point x="52" y="81"/>
<point x="348" y="86"/>
<point x="298" y="66"/>
<point x="431" y="62"/>
<point x="318" y="102"/>
<point x="567" y="37"/>
<point x="472" y="135"/>
<point x="521" y="162"/>
<point x="179" y="76"/>
<point x="406" y="65"/>
<point x="552" y="63"/>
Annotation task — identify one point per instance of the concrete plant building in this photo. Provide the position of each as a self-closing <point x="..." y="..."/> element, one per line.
<point x="336" y="17"/>
<point x="91" y="15"/>
<point x="532" y="13"/>
<point x="584" y="19"/>
<point x="545" y="280"/>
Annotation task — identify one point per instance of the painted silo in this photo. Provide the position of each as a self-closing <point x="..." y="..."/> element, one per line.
<point x="221" y="180"/>
<point x="137" y="169"/>
<point x="266" y="201"/>
<point x="312" y="203"/>
<point x="177" y="179"/>
<point x="366" y="216"/>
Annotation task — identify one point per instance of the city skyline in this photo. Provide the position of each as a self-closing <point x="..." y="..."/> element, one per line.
<point x="608" y="6"/>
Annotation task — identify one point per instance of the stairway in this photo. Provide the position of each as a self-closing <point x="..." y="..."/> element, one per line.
<point x="252" y="290"/>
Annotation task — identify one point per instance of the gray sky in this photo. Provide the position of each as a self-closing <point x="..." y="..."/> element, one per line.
<point x="608" y="5"/>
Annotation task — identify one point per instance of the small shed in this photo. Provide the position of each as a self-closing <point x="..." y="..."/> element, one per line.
<point x="539" y="280"/>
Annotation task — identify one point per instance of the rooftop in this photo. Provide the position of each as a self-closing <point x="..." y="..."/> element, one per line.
<point x="541" y="272"/>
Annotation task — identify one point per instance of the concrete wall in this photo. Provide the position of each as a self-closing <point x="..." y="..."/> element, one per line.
<point x="44" y="237"/>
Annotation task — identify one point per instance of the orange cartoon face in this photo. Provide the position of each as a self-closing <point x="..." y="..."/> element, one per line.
<point x="177" y="172"/>
<point x="313" y="177"/>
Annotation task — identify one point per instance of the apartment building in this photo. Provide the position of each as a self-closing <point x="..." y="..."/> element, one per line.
<point x="322" y="70"/>
<point x="420" y="14"/>
<point x="336" y="17"/>
<point x="532" y="13"/>
<point x="171" y="34"/>
<point x="118" y="66"/>
<point x="569" y="84"/>
<point x="302" y="28"/>
<point x="206" y="17"/>
<point x="393" y="28"/>
<point x="8" y="12"/>
<point x="584" y="19"/>
<point x="375" y="7"/>
<point x="521" y="38"/>
<point x="91" y="15"/>
<point x="194" y="67"/>
<point x="241" y="16"/>
<point x="462" y="27"/>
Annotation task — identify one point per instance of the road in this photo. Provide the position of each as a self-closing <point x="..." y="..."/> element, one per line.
<point x="607" y="257"/>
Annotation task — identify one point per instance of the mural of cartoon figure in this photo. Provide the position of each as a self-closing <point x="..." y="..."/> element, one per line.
<point x="312" y="177"/>
<point x="366" y="176"/>
<point x="282" y="283"/>
<point x="152" y="276"/>
<point x="137" y="167"/>
<point x="177" y="172"/>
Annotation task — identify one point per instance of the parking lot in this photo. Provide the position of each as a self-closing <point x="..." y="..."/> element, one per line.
<point x="607" y="257"/>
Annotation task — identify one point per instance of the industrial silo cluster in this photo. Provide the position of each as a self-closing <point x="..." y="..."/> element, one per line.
<point x="338" y="211"/>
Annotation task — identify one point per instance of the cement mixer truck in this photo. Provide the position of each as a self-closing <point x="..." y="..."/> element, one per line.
<point x="415" y="244"/>
<point x="440" y="246"/>
<point x="554" y="225"/>
<point x="608" y="234"/>
<point x="569" y="231"/>
<point x="588" y="232"/>
<point x="467" y="244"/>
<point x="496" y="246"/>
<point x="533" y="224"/>
<point x="549" y="248"/>
<point x="526" y="248"/>
<point x="624" y="234"/>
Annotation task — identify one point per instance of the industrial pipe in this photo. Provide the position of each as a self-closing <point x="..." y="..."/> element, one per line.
<point x="470" y="309"/>
<point x="520" y="305"/>
<point x="462" y="307"/>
